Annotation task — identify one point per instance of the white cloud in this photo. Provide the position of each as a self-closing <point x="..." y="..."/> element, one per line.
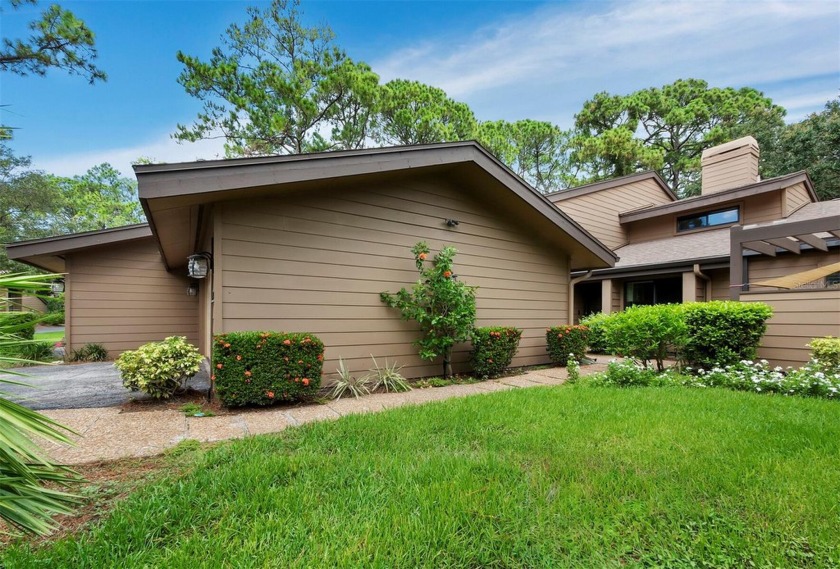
<point x="160" y="149"/>
<point x="559" y="55"/>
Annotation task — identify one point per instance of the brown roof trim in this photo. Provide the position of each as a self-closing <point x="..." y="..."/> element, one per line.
<point x="75" y="241"/>
<point x="208" y="177"/>
<point x="612" y="183"/>
<point x="720" y="197"/>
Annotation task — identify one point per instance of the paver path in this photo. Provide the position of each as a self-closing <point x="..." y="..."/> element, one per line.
<point x="108" y="434"/>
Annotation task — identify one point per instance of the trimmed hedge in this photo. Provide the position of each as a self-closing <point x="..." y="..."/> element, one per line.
<point x="262" y="368"/>
<point x="647" y="333"/>
<point x="827" y="352"/>
<point x="493" y="349"/>
<point x="565" y="341"/>
<point x="722" y="333"/>
<point x="597" y="324"/>
<point x="20" y="324"/>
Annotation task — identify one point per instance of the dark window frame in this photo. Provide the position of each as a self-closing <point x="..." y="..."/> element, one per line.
<point x="706" y="215"/>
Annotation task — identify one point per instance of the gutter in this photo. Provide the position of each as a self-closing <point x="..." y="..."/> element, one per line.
<point x="572" y="283"/>
<point x="707" y="278"/>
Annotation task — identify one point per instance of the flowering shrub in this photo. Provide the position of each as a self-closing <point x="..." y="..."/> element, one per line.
<point x="262" y="368"/>
<point x="810" y="380"/>
<point x="442" y="306"/>
<point x="721" y="333"/>
<point x="597" y="324"/>
<point x="159" y="368"/>
<point x="19" y="324"/>
<point x="826" y="351"/>
<point x="573" y="369"/>
<point x="647" y="333"/>
<point x="629" y="373"/>
<point x="493" y="349"/>
<point x="565" y="342"/>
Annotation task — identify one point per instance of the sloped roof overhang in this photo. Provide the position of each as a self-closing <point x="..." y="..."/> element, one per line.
<point x="48" y="253"/>
<point x="690" y="204"/>
<point x="174" y="196"/>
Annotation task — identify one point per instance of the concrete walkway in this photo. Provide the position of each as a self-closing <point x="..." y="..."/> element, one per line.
<point x="108" y="434"/>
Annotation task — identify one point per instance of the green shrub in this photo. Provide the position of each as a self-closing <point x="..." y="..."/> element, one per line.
<point x="159" y="368"/>
<point x="53" y="319"/>
<point x="597" y="332"/>
<point x="722" y="333"/>
<point x="826" y="351"/>
<point x="89" y="353"/>
<point x="565" y="342"/>
<point x="493" y="349"/>
<point x="37" y="351"/>
<point x="19" y="324"/>
<point x="54" y="303"/>
<point x="262" y="368"/>
<point x="647" y="333"/>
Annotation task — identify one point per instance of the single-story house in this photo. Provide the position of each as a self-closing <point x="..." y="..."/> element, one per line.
<point x="307" y="243"/>
<point x="734" y="241"/>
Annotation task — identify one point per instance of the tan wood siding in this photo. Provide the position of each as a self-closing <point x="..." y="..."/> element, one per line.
<point x="720" y="283"/>
<point x="796" y="196"/>
<point x="798" y="317"/>
<point x="598" y="212"/>
<point x="121" y="296"/>
<point x="318" y="264"/>
<point x="763" y="207"/>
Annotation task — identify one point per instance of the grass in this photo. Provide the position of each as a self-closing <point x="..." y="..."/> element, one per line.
<point x="543" y="477"/>
<point x="52" y="337"/>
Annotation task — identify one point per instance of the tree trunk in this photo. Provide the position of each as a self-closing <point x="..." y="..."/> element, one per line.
<point x="447" y="364"/>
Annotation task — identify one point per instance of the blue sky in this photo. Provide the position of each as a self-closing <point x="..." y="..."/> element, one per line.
<point x="507" y="60"/>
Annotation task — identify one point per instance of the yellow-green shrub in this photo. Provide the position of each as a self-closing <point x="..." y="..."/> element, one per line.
<point x="159" y="368"/>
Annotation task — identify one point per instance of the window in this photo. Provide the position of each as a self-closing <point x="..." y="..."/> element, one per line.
<point x="708" y="219"/>
<point x="659" y="291"/>
<point x="832" y="280"/>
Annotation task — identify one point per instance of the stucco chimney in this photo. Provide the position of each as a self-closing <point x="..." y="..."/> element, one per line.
<point x="729" y="165"/>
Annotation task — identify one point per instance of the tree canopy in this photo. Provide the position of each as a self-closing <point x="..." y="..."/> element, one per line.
<point x="665" y="128"/>
<point x="58" y="40"/>
<point x="276" y="86"/>
<point x="812" y="145"/>
<point x="34" y="204"/>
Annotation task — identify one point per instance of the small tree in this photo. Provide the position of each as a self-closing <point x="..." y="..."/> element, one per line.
<point x="443" y="306"/>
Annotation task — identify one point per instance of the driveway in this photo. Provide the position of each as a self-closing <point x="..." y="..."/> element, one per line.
<point x="77" y="386"/>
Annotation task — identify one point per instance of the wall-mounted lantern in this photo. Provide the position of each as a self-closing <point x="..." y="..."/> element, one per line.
<point x="451" y="223"/>
<point x="199" y="265"/>
<point x="57" y="287"/>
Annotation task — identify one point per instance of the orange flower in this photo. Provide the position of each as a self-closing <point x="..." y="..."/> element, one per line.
<point x="287" y="342"/>
<point x="219" y="366"/>
<point x="247" y="373"/>
<point x="286" y="359"/>
<point x="320" y="357"/>
<point x="227" y="345"/>
<point x="213" y="377"/>
<point x="305" y="381"/>
<point x="238" y="358"/>
<point x="422" y="256"/>
<point x="270" y="394"/>
<point x="447" y="274"/>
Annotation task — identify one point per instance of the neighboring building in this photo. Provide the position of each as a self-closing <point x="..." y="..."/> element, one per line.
<point x="681" y="250"/>
<point x="307" y="243"/>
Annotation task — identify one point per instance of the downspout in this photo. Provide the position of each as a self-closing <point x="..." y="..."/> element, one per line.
<point x="572" y="284"/>
<point x="707" y="278"/>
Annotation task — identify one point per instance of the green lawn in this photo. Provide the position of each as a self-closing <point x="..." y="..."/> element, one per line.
<point x="544" y="477"/>
<point x="49" y="336"/>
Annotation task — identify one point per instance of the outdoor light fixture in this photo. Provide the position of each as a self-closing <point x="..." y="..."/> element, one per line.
<point x="192" y="289"/>
<point x="57" y="287"/>
<point x="198" y="265"/>
<point x="451" y="223"/>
